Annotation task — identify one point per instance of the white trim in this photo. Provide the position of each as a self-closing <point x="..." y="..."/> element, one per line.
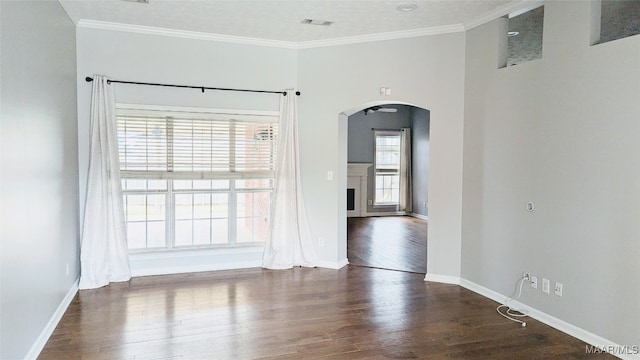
<point x="188" y="261"/>
<point x="392" y="35"/>
<point x="501" y="11"/>
<point x="419" y="216"/>
<point x="167" y="270"/>
<point x="149" y="30"/>
<point x="445" y="279"/>
<point x="336" y="265"/>
<point x="37" y="347"/>
<point x="565" y="327"/>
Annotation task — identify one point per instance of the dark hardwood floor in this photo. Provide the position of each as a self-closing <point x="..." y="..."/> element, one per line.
<point x="390" y="242"/>
<point x="352" y="313"/>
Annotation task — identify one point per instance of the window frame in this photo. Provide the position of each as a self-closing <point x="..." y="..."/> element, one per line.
<point x="169" y="192"/>
<point x="376" y="134"/>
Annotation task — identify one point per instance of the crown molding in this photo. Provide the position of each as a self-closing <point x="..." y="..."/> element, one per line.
<point x="149" y="30"/>
<point x="140" y="29"/>
<point x="392" y="35"/>
<point x="502" y="11"/>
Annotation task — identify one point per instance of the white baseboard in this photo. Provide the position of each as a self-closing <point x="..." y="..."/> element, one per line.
<point x="37" y="347"/>
<point x="445" y="279"/>
<point x="565" y="327"/>
<point x="419" y="216"/>
<point x="332" y="264"/>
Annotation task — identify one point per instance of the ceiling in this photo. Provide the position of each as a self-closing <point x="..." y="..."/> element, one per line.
<point x="280" y="20"/>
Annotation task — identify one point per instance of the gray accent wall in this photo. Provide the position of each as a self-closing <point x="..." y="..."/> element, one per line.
<point x="561" y="132"/>
<point x="420" y="161"/>
<point x="39" y="165"/>
<point x="360" y="147"/>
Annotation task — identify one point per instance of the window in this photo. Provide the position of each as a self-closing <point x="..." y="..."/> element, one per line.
<point x="523" y="35"/>
<point x="618" y="19"/>
<point x="194" y="178"/>
<point x="387" y="167"/>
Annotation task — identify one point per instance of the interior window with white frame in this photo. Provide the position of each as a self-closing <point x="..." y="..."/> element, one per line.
<point x="387" y="167"/>
<point x="195" y="178"/>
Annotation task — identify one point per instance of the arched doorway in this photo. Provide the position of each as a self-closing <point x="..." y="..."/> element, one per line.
<point x="386" y="225"/>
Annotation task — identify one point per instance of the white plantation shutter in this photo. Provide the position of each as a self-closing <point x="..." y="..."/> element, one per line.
<point x="191" y="145"/>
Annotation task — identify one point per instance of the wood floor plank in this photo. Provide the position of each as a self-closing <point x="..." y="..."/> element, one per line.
<point x="351" y="313"/>
<point x="388" y="242"/>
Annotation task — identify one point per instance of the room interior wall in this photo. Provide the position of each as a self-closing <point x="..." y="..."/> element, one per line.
<point x="561" y="132"/>
<point x="322" y="75"/>
<point x="133" y="56"/>
<point x="39" y="164"/>
<point x="424" y="71"/>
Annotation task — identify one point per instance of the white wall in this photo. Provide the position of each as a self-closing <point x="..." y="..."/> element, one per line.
<point x="39" y="230"/>
<point x="425" y="71"/>
<point x="162" y="59"/>
<point x="561" y="132"/>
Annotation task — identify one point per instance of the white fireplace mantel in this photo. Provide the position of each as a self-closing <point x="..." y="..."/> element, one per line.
<point x="357" y="174"/>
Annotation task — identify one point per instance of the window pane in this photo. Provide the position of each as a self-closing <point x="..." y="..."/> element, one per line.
<point x="253" y="211"/>
<point x="183" y="206"/>
<point x="156" y="207"/>
<point x="201" y="206"/>
<point x="183" y="233"/>
<point x="136" y="235"/>
<point x="156" y="234"/>
<point x="220" y="231"/>
<point x="157" y="184"/>
<point x="135" y="207"/>
<point x="202" y="232"/>
<point x="182" y="184"/>
<point x="220" y="206"/>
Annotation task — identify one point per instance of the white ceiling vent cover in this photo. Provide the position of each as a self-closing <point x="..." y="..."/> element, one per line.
<point x="317" y="22"/>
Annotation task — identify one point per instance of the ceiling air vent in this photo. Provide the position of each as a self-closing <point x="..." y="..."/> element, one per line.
<point x="317" y="22"/>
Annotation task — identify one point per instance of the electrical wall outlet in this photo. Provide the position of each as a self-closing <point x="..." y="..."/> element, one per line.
<point x="321" y="241"/>
<point x="534" y="282"/>
<point x="526" y="276"/>
<point x="558" y="289"/>
<point x="545" y="286"/>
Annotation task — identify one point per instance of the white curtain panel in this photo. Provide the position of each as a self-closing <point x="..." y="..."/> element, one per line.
<point x="406" y="188"/>
<point x="289" y="243"/>
<point x="103" y="253"/>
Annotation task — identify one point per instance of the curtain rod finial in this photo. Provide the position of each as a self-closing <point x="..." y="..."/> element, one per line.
<point x="88" y="79"/>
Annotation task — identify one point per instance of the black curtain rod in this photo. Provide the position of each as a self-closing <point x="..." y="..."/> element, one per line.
<point x="203" y="88"/>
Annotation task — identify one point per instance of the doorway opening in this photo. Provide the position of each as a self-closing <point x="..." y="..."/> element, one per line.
<point x="387" y="186"/>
